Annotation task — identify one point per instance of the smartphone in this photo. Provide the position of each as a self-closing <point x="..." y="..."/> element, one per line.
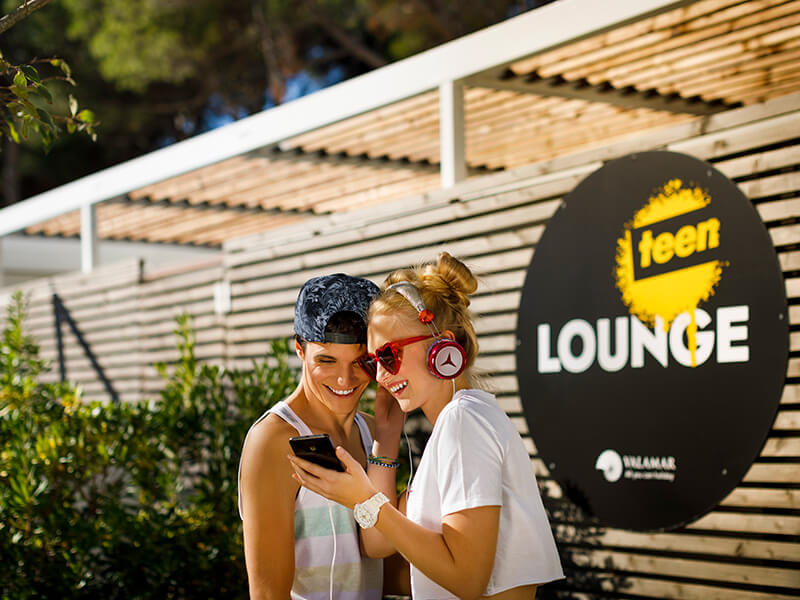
<point x="317" y="449"/>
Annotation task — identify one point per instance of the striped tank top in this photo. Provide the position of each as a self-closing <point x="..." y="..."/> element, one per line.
<point x="354" y="577"/>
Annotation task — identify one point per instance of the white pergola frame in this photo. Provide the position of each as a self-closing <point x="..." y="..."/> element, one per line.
<point x="444" y="68"/>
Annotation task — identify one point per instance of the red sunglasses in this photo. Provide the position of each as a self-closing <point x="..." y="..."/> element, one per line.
<point x="389" y="355"/>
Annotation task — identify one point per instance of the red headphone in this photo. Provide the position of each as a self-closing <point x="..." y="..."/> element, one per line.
<point x="446" y="358"/>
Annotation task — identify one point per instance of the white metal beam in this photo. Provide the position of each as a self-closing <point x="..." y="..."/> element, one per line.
<point x="89" y="248"/>
<point x="529" y="33"/>
<point x="451" y="133"/>
<point x="40" y="255"/>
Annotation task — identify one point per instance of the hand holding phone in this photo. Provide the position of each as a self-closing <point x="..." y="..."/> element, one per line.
<point x="317" y="449"/>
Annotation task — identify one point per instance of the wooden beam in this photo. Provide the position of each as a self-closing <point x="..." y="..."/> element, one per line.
<point x="200" y="207"/>
<point x="628" y="97"/>
<point x="298" y="155"/>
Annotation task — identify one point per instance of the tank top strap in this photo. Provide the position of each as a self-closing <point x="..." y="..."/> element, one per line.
<point x="366" y="436"/>
<point x="285" y="412"/>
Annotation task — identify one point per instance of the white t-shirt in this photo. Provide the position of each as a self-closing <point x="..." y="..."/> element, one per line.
<point x="475" y="457"/>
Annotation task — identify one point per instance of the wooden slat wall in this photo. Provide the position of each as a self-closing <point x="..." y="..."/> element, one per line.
<point x="748" y="547"/>
<point x="104" y="306"/>
<point x="126" y="314"/>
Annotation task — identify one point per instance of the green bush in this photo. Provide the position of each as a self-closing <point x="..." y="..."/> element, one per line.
<point x="118" y="500"/>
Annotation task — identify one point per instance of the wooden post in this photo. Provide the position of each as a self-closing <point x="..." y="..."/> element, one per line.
<point x="451" y="133"/>
<point x="89" y="248"/>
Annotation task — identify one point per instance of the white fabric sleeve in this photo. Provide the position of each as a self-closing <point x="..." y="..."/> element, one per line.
<point x="470" y="463"/>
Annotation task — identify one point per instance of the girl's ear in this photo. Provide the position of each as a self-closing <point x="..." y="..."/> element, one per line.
<point x="298" y="349"/>
<point x="449" y="334"/>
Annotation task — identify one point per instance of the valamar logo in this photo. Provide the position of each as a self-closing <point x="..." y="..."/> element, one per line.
<point x="641" y="468"/>
<point x="652" y="333"/>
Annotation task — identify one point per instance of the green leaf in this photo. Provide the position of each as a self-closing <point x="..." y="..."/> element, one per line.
<point x="30" y="72"/>
<point x="71" y="127"/>
<point x="42" y="91"/>
<point x="20" y="80"/>
<point x="47" y="119"/>
<point x="19" y="91"/>
<point x="27" y="107"/>
<point x="65" y="68"/>
<point x="86" y="115"/>
<point x="12" y="131"/>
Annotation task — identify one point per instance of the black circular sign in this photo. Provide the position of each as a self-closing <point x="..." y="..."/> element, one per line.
<point x="653" y="340"/>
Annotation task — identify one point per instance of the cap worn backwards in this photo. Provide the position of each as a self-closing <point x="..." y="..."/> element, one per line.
<point x="322" y="297"/>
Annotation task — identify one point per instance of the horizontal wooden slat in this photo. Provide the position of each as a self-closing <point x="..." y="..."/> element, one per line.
<point x="767" y="498"/>
<point x="726" y="142"/>
<point x="773" y="473"/>
<point x="769" y="524"/>
<point x="700" y="569"/>
<point x="693" y="544"/>
<point x="787" y="447"/>
<point x="659" y="588"/>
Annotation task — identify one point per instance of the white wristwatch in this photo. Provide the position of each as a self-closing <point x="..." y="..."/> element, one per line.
<point x="366" y="513"/>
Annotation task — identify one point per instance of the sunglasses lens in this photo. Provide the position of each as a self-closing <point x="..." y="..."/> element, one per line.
<point x="367" y="362"/>
<point x="389" y="359"/>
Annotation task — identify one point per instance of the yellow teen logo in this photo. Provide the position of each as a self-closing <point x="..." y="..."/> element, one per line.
<point x="667" y="257"/>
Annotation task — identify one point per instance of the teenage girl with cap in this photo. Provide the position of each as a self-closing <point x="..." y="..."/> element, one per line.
<point x="473" y="523"/>
<point x="291" y="549"/>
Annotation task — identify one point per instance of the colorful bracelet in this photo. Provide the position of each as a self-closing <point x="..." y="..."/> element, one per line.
<point x="384" y="461"/>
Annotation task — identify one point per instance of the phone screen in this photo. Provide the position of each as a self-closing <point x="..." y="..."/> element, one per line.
<point x="317" y="449"/>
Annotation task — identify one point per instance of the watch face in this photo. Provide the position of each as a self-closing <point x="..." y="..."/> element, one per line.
<point x="365" y="517"/>
<point x="366" y="513"/>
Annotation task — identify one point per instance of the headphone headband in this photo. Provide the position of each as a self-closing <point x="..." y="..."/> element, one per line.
<point x="410" y="292"/>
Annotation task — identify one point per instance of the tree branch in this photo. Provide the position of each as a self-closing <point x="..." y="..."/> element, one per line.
<point x="276" y="82"/>
<point x="348" y="42"/>
<point x="19" y="13"/>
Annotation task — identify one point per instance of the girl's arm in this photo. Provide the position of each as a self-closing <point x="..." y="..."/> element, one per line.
<point x="460" y="558"/>
<point x="389" y="420"/>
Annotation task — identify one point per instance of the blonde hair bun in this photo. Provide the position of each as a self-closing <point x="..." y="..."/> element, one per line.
<point x="450" y="277"/>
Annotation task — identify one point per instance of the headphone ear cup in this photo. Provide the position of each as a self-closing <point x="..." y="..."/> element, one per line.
<point x="446" y="359"/>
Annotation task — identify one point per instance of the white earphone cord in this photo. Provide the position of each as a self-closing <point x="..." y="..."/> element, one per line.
<point x="333" y="559"/>
<point x="410" y="461"/>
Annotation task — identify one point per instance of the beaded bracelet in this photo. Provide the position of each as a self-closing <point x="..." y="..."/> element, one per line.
<point x="384" y="461"/>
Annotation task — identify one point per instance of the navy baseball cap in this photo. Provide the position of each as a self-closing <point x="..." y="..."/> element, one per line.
<point x="322" y="297"/>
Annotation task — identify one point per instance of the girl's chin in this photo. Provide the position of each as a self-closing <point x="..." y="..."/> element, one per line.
<point x="406" y="404"/>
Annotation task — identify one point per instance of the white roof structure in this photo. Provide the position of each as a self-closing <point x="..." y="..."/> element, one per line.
<point x="559" y="78"/>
